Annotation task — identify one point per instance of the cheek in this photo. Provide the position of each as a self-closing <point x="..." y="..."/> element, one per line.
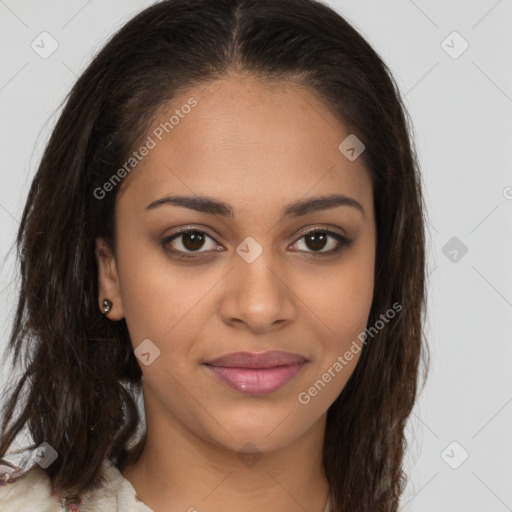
<point x="354" y="300"/>
<point x="151" y="304"/>
<point x="343" y="300"/>
<point x="162" y="301"/>
<point x="344" y="304"/>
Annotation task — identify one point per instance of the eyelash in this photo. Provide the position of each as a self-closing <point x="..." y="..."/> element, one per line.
<point x="343" y="242"/>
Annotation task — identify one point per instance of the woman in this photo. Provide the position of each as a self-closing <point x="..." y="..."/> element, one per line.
<point x="227" y="219"/>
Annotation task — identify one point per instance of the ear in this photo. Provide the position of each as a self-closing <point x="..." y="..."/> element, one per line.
<point x="108" y="280"/>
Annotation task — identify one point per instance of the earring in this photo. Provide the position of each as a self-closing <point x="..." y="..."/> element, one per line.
<point x="107" y="306"/>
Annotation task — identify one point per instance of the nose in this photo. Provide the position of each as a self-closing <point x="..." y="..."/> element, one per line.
<point x="258" y="294"/>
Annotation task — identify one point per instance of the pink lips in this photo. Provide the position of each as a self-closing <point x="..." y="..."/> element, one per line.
<point x="254" y="373"/>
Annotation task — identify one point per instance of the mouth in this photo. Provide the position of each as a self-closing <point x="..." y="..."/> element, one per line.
<point x="256" y="373"/>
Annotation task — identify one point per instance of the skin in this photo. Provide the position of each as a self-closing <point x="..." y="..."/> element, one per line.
<point x="257" y="146"/>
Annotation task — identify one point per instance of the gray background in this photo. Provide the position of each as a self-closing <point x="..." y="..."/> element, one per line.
<point x="461" y="109"/>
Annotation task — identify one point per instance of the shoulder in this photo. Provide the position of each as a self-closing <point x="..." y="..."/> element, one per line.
<point x="30" y="491"/>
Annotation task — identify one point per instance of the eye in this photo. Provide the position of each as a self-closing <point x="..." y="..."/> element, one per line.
<point x="317" y="239"/>
<point x="193" y="239"/>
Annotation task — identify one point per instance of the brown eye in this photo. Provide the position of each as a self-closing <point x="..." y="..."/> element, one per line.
<point x="188" y="242"/>
<point x="318" y="239"/>
<point x="192" y="240"/>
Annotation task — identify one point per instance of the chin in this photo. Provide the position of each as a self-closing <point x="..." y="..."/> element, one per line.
<point x="265" y="436"/>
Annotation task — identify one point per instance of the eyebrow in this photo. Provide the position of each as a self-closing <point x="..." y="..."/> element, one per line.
<point x="296" y="209"/>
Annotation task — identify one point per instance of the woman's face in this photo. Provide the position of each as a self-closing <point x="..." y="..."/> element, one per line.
<point x="255" y="278"/>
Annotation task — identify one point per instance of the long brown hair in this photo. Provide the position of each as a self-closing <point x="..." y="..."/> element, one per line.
<point x="80" y="376"/>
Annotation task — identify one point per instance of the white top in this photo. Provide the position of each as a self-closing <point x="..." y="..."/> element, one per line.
<point x="31" y="493"/>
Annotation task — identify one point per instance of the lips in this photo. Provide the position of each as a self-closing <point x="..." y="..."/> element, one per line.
<point x="269" y="359"/>
<point x="256" y="373"/>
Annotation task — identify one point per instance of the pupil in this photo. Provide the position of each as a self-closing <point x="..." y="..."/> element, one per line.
<point x="318" y="240"/>
<point x="190" y="239"/>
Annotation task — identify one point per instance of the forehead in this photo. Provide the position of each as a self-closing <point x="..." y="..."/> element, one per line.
<point x="249" y="139"/>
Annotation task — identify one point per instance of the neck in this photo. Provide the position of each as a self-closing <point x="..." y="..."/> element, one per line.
<point x="181" y="468"/>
